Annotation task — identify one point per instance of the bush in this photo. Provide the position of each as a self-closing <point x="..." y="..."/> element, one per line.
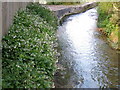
<point x="104" y="11"/>
<point x="43" y="12"/>
<point x="28" y="51"/>
<point x="109" y="20"/>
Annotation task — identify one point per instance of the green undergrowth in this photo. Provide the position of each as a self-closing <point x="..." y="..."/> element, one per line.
<point x="108" y="20"/>
<point x="104" y="10"/>
<point x="28" y="52"/>
<point x="45" y="13"/>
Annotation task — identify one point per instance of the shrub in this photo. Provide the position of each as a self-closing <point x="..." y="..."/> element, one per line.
<point x="104" y="11"/>
<point x="28" y="51"/>
<point x="109" y="20"/>
<point x="43" y="12"/>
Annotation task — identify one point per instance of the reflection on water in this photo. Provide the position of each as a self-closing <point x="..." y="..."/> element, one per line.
<point x="87" y="59"/>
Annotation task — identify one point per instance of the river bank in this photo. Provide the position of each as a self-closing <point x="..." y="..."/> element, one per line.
<point x="62" y="11"/>
<point x="108" y="22"/>
<point x="106" y="13"/>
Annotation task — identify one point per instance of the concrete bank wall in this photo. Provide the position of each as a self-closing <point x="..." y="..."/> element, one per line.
<point x="8" y="11"/>
<point x="74" y="10"/>
<point x="0" y="21"/>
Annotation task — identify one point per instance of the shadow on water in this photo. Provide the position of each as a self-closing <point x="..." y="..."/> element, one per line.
<point x="86" y="60"/>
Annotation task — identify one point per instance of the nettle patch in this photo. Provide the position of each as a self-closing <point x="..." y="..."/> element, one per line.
<point x="28" y="52"/>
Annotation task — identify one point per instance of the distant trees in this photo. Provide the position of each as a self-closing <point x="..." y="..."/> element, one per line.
<point x="63" y="3"/>
<point x="58" y="2"/>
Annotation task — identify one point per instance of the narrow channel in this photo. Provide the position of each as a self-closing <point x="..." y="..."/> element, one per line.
<point x="86" y="60"/>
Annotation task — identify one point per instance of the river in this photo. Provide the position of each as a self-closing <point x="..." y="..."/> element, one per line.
<point x="86" y="60"/>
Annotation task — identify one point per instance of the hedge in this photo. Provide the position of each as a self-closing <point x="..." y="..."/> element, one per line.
<point x="28" y="52"/>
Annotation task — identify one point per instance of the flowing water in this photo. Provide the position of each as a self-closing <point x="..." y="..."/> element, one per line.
<point x="86" y="60"/>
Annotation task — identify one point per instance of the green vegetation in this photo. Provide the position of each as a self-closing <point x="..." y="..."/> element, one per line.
<point x="63" y="3"/>
<point x="28" y="53"/>
<point x="109" y="20"/>
<point x="43" y="13"/>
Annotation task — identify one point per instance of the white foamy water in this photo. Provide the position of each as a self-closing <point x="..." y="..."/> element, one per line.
<point x="86" y="54"/>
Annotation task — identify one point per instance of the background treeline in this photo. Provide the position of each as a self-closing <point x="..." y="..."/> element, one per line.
<point x="63" y="3"/>
<point x="109" y="21"/>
